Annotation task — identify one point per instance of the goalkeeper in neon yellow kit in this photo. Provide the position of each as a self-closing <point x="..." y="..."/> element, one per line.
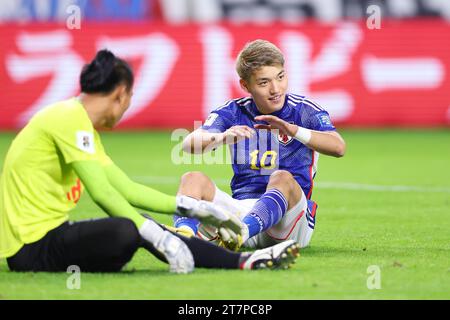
<point x="59" y="153"/>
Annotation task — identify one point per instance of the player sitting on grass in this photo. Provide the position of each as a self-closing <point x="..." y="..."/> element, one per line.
<point x="273" y="173"/>
<point x="59" y="153"/>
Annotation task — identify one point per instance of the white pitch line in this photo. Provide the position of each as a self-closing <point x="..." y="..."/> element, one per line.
<point x="170" y="180"/>
<point x="382" y="188"/>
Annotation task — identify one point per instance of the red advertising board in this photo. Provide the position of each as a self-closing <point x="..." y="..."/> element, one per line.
<point x="398" y="75"/>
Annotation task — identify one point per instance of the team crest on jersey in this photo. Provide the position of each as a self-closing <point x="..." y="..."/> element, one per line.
<point x="284" y="138"/>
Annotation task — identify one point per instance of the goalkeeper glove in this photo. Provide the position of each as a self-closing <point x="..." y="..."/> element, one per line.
<point x="173" y="248"/>
<point x="209" y="214"/>
<point x="234" y="243"/>
<point x="183" y="230"/>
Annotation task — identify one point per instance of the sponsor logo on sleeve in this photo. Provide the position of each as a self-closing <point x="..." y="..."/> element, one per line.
<point x="324" y="120"/>
<point x="85" y="141"/>
<point x="210" y="120"/>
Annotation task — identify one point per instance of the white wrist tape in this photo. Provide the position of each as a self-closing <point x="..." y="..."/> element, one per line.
<point x="303" y="135"/>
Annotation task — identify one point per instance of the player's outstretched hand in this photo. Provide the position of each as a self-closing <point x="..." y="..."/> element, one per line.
<point x="209" y="214"/>
<point x="276" y="123"/>
<point x="237" y="133"/>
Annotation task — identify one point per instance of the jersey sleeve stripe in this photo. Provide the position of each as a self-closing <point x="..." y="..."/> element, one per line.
<point x="240" y="101"/>
<point x="295" y="99"/>
<point x="224" y="105"/>
<point x="245" y="103"/>
<point x="296" y="96"/>
<point x="313" y="104"/>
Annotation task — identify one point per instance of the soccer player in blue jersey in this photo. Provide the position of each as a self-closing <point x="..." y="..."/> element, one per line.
<point x="275" y="138"/>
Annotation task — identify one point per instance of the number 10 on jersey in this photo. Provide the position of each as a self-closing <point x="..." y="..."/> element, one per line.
<point x="262" y="161"/>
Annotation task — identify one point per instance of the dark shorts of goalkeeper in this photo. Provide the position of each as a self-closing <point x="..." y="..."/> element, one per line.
<point x="99" y="245"/>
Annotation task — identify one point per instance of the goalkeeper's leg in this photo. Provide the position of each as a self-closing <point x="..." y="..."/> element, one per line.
<point x="208" y="255"/>
<point x="100" y="245"/>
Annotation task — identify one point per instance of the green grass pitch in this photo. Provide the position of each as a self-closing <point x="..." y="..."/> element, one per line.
<point x="385" y="204"/>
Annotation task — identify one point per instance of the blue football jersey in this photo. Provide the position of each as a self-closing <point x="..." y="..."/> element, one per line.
<point x="253" y="160"/>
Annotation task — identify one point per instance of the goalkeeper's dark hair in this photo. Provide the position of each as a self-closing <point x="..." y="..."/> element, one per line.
<point x="105" y="73"/>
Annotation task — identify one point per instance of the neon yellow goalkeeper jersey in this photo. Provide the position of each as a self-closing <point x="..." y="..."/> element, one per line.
<point x="38" y="186"/>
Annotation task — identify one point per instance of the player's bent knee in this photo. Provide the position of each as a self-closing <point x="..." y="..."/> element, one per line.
<point x="126" y="237"/>
<point x="195" y="176"/>
<point x="281" y="177"/>
<point x="281" y="174"/>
